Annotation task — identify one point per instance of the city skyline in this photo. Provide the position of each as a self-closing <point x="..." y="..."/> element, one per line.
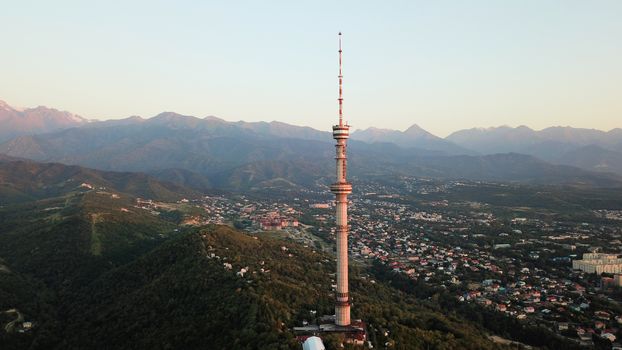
<point x="444" y="67"/>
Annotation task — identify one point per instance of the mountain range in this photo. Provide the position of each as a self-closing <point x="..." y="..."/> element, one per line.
<point x="413" y="137"/>
<point x="213" y="153"/>
<point x="585" y="148"/>
<point x="29" y="121"/>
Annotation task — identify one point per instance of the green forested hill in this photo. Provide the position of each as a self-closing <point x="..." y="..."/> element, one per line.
<point x="22" y="181"/>
<point x="51" y="246"/>
<point x="181" y="295"/>
<point x="178" y="296"/>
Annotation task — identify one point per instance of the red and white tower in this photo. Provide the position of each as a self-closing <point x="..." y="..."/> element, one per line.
<point x="341" y="188"/>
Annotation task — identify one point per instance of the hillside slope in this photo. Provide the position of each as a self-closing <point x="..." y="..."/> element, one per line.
<point x="27" y="180"/>
<point x="181" y="295"/>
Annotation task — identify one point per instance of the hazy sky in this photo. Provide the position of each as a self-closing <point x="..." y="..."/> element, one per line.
<point x="445" y="65"/>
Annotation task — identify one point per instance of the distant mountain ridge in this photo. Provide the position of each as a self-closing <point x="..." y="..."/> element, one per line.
<point x="505" y="138"/>
<point x="17" y="122"/>
<point x="227" y="156"/>
<point x="413" y="137"/>
<point x="585" y="148"/>
<point x="211" y="152"/>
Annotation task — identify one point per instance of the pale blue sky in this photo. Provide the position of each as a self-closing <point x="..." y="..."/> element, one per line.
<point x="445" y="65"/>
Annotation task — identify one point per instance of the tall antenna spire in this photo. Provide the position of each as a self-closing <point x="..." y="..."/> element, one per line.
<point x="340" y="85"/>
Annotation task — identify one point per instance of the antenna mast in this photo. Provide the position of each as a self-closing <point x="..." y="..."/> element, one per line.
<point x="340" y="86"/>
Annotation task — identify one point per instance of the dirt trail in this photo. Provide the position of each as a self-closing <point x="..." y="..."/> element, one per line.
<point x="96" y="244"/>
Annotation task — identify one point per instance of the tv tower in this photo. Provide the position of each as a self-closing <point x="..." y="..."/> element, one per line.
<point x="342" y="188"/>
